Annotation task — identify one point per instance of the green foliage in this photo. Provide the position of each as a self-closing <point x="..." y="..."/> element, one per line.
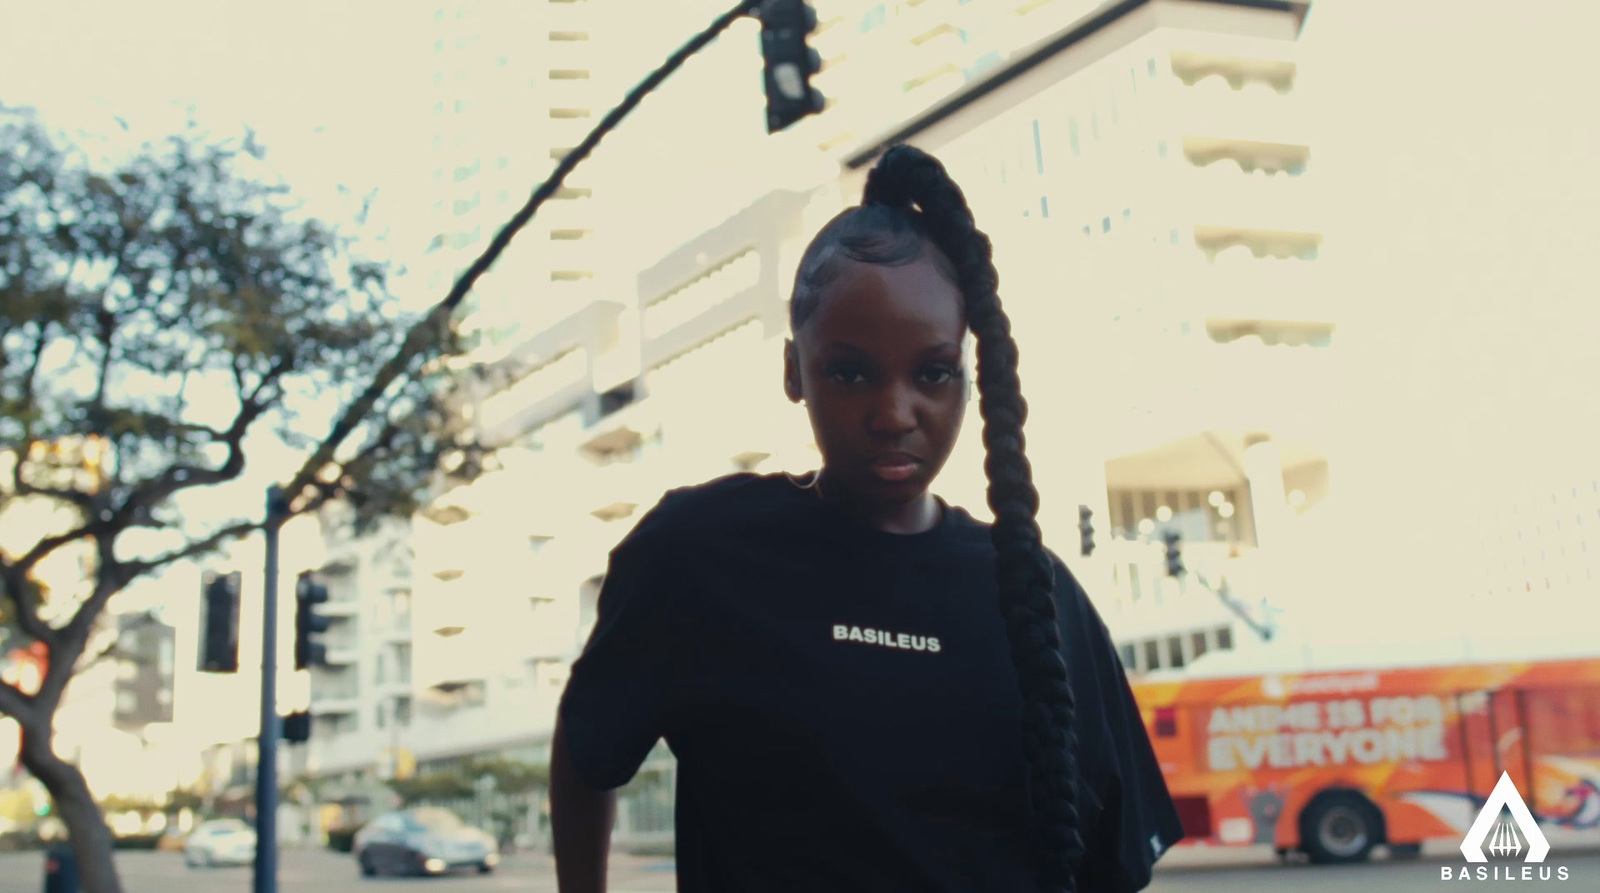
<point x="510" y="776"/>
<point x="432" y="787"/>
<point x="342" y="839"/>
<point x="124" y="293"/>
<point x="155" y="314"/>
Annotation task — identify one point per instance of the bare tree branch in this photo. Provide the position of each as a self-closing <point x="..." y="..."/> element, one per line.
<point x="74" y="637"/>
<point x="114" y="650"/>
<point x="24" y="598"/>
<point x="133" y="569"/>
<point x="51" y="543"/>
<point x="15" y="704"/>
<point x="21" y="487"/>
<point x="425" y="328"/>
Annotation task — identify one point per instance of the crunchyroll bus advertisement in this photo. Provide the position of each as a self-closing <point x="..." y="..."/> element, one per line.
<point x="1333" y="764"/>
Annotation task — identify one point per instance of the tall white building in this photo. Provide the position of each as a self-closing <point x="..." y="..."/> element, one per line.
<point x="517" y="85"/>
<point x="1147" y="187"/>
<point x="361" y="701"/>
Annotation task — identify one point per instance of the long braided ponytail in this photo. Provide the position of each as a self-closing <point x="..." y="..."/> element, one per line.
<point x="910" y="198"/>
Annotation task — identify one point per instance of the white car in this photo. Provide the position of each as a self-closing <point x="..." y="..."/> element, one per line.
<point x="220" y="842"/>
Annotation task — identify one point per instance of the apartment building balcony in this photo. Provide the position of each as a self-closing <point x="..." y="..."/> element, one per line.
<point x="619" y="437"/>
<point x="567" y="125"/>
<point x="571" y="208"/>
<point x="342" y="653"/>
<point x="397" y="630"/>
<point x="455" y="656"/>
<point x="340" y="753"/>
<point x="1236" y="291"/>
<point x="1254" y="112"/>
<point x="346" y="608"/>
<point x="575" y="93"/>
<point x="562" y="381"/>
<point x="566" y="55"/>
<point x="1222" y="193"/>
<point x="334" y="702"/>
<point x="393" y="687"/>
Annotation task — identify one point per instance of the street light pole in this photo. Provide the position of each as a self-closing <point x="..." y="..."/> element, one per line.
<point x="266" y="862"/>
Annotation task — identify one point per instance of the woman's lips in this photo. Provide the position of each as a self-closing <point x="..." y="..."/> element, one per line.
<point x="893" y="470"/>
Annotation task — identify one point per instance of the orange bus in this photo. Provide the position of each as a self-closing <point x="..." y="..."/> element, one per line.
<point x="1331" y="764"/>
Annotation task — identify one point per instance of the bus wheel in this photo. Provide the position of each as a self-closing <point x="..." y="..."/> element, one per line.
<point x="1339" y="827"/>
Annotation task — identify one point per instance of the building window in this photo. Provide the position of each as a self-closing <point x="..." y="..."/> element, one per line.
<point x="1044" y="205"/>
<point x="1198" y="641"/>
<point x="1174" y="237"/>
<point x="1127" y="215"/>
<point x="1152" y="654"/>
<point x="1224" y="638"/>
<point x="1175" y="652"/>
<point x="1105" y="224"/>
<point x="1038" y="147"/>
<point x="1150" y="66"/>
<point x="1072" y="134"/>
<point x="1130" y="657"/>
<point x="381" y="716"/>
<point x="874" y="19"/>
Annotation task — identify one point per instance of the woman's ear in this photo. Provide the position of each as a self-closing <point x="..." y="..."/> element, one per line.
<point x="791" y="371"/>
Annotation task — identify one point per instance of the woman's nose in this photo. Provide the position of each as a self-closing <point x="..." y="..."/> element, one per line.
<point x="894" y="411"/>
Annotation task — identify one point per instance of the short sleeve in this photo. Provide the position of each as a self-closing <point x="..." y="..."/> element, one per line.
<point x="615" y="704"/>
<point x="1129" y="817"/>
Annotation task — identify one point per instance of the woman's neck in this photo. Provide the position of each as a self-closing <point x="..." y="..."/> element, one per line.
<point x="918" y="515"/>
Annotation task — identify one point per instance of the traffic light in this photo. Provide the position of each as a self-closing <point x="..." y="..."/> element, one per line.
<point x="1086" y="530"/>
<point x="789" y="62"/>
<point x="219" y="623"/>
<point x="308" y="594"/>
<point x="1174" y="553"/>
<point x="297" y="727"/>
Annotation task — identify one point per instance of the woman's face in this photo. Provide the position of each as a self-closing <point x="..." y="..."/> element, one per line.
<point x="878" y="364"/>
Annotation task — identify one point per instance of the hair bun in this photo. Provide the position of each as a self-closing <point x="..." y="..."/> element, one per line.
<point x="889" y="181"/>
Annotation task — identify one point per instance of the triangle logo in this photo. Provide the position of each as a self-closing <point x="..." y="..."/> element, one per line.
<point x="1504" y="795"/>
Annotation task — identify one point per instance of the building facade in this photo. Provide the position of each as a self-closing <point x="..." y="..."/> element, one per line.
<point x="1182" y="237"/>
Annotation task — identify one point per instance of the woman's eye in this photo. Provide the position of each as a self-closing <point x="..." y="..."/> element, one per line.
<point x="941" y="374"/>
<point x="844" y="374"/>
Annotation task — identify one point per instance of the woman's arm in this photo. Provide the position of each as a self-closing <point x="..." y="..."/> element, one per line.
<point x="581" y="819"/>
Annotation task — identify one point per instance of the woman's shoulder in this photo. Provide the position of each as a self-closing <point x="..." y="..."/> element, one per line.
<point x="693" y="511"/>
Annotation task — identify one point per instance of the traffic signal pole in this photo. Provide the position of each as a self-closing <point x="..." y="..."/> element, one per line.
<point x="266" y="862"/>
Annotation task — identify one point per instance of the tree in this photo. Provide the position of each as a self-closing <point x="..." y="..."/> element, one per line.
<point x="434" y="786"/>
<point x="510" y="776"/>
<point x="153" y="316"/>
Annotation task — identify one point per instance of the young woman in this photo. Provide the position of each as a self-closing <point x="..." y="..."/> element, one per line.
<point x="865" y="688"/>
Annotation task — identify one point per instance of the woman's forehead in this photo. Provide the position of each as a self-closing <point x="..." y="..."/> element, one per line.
<point x="916" y="295"/>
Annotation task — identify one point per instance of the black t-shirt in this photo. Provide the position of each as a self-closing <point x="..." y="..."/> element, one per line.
<point x="842" y="703"/>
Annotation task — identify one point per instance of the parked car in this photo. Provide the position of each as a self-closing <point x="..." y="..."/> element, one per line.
<point x="425" y="840"/>
<point x="220" y="842"/>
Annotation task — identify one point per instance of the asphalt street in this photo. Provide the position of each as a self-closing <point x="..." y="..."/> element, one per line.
<point x="317" y="871"/>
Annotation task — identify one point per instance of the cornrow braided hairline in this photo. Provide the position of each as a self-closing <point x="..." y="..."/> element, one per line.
<point x="1024" y="571"/>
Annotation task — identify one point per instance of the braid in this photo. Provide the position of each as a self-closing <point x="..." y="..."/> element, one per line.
<point x="888" y="229"/>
